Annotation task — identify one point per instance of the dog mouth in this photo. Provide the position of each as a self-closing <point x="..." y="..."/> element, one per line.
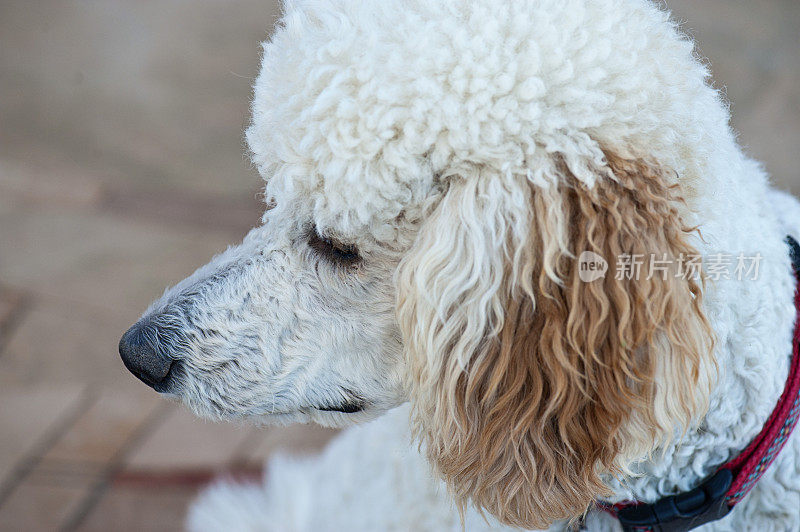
<point x="343" y="408"/>
<point x="350" y="407"/>
<point x="352" y="403"/>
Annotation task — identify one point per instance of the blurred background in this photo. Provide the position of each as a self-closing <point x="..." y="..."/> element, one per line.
<point x="122" y="169"/>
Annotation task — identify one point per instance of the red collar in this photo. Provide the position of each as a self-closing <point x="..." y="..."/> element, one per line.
<point x="718" y="494"/>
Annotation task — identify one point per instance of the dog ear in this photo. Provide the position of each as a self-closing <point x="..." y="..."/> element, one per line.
<point x="528" y="383"/>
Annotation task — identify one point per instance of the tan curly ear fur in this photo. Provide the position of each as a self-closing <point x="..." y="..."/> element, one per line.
<point x="528" y="384"/>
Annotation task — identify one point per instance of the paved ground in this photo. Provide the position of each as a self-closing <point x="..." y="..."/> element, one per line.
<point x="121" y="170"/>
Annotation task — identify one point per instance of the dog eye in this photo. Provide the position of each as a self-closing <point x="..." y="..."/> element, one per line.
<point x="334" y="250"/>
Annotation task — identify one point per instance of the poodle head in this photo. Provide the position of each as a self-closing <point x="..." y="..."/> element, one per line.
<point x="434" y="171"/>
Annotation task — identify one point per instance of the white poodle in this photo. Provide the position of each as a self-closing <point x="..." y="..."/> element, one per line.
<point x="492" y="211"/>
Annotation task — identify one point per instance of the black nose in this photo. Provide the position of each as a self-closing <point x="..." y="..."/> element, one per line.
<point x="142" y="359"/>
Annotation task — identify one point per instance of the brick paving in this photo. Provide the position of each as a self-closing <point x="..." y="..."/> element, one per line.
<point x="121" y="170"/>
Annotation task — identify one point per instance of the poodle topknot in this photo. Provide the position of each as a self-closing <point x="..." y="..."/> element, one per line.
<point x="434" y="171"/>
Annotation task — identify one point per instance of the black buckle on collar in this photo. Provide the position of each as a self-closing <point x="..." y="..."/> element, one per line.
<point x="683" y="511"/>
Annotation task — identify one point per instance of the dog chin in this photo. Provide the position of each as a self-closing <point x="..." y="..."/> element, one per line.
<point x="320" y="417"/>
<point x="326" y="418"/>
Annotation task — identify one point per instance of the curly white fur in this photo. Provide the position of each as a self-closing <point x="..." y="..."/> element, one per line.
<point x="365" y="114"/>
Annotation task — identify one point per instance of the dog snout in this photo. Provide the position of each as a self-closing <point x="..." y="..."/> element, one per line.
<point x="142" y="358"/>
